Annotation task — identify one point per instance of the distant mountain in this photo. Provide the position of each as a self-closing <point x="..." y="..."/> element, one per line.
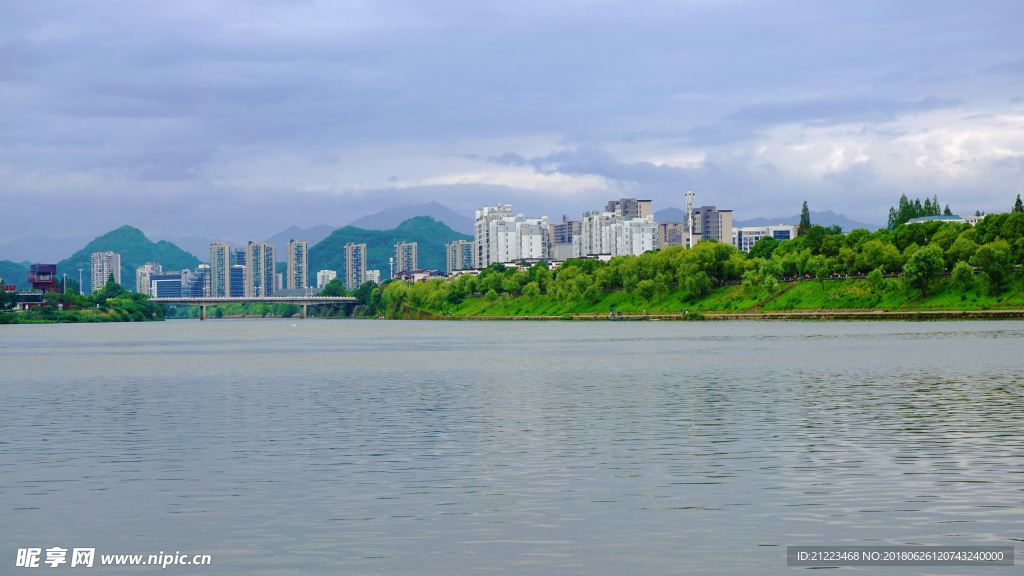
<point x="391" y="218"/>
<point x="429" y="234"/>
<point x="311" y="235"/>
<point x="670" y="215"/>
<point x="198" y="246"/>
<point x="826" y="218"/>
<point x="41" y="249"/>
<point x="14" y="273"/>
<point x="135" y="250"/>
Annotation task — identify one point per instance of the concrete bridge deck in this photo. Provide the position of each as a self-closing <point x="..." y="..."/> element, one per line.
<point x="302" y="301"/>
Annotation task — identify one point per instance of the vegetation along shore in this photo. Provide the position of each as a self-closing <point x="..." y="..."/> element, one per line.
<point x="922" y="267"/>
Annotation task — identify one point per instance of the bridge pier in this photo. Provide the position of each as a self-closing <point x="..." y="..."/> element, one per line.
<point x="303" y="311"/>
<point x="202" y="312"/>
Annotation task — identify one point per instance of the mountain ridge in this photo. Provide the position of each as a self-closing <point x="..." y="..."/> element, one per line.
<point x="135" y="250"/>
<point x="392" y="218"/>
<point x="429" y="234"/>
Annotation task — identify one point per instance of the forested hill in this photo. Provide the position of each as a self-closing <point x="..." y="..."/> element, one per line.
<point x="135" y="250"/>
<point x="430" y="235"/>
<point x="14" y="273"/>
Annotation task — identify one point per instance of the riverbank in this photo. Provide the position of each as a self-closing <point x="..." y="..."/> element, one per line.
<point x="834" y="299"/>
<point x="817" y="315"/>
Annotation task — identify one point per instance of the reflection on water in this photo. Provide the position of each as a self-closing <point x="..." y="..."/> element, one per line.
<point x="455" y="447"/>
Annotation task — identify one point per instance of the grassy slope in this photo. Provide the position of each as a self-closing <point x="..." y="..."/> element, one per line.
<point x="806" y="295"/>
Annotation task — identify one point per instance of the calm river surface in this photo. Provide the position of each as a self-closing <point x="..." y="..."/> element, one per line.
<point x="373" y="447"/>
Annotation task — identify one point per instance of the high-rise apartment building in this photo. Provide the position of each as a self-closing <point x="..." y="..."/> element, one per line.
<point x="298" y="259"/>
<point x="355" y="265"/>
<point x="220" y="269"/>
<point x="459" y="255"/>
<point x="406" y="257"/>
<point x="237" y="281"/>
<point x="560" y="238"/>
<point x="629" y="208"/>
<point x="103" y="265"/>
<point x="501" y="236"/>
<point x="711" y="223"/>
<point x="671" y="234"/>
<point x="260" y="266"/>
<point x="325" y="276"/>
<point x="373" y="276"/>
<point x="142" y="274"/>
<point x="619" y="230"/>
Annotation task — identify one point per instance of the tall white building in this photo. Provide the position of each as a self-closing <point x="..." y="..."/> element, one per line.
<point x="373" y="276"/>
<point x="501" y="236"/>
<point x="260" y="266"/>
<point x="220" y="269"/>
<point x="103" y="265"/>
<point x="406" y="257"/>
<point x="142" y="274"/>
<point x="355" y="265"/>
<point x="459" y="255"/>
<point x="611" y="234"/>
<point x="325" y="276"/>
<point x="298" y="258"/>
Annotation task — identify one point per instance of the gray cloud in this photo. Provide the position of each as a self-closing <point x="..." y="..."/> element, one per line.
<point x="156" y="108"/>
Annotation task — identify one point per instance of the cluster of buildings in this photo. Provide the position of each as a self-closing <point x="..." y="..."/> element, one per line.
<point x="624" y="227"/>
<point x="247" y="272"/>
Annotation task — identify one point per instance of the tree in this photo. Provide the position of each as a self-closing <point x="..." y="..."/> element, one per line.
<point x="994" y="259"/>
<point x="363" y="293"/>
<point x="8" y="301"/>
<point x="963" y="275"/>
<point x="491" y="295"/>
<point x="531" y="290"/>
<point x="876" y="280"/>
<point x="645" y="289"/>
<point x="924" y="266"/>
<point x="805" y="220"/>
<point x="1018" y="206"/>
<point x="763" y="248"/>
<point x="696" y="284"/>
<point x="819" y="267"/>
<point x="947" y="211"/>
<point x="334" y="288"/>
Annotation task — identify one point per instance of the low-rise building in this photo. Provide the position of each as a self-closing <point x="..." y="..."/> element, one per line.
<point x="373" y="276"/>
<point x="323" y="277"/>
<point x="744" y="238"/>
<point x="165" y="285"/>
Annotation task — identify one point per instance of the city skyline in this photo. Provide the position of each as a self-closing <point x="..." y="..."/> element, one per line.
<point x="335" y="111"/>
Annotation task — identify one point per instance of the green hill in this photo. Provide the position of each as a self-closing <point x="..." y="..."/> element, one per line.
<point x="429" y="234"/>
<point x="14" y="273"/>
<point x="135" y="250"/>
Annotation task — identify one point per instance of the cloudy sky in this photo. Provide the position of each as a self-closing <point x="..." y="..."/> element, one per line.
<point x="239" y="119"/>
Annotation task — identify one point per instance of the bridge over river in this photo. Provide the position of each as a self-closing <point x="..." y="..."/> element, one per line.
<point x="302" y="301"/>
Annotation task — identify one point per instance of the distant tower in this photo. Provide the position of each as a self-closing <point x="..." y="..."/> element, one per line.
<point x="689" y="214"/>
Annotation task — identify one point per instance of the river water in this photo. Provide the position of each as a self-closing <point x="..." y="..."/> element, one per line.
<point x="392" y="447"/>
